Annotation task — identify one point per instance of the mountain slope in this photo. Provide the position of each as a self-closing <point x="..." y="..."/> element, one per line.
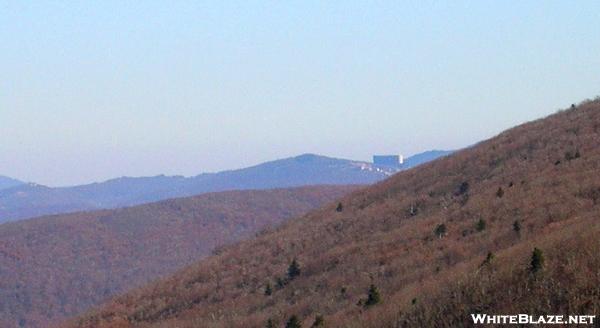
<point x="57" y="266"/>
<point x="424" y="157"/>
<point x="422" y="237"/>
<point x="6" y="182"/>
<point x="35" y="200"/>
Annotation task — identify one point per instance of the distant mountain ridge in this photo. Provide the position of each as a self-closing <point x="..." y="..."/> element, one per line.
<point x="7" y="182"/>
<point x="31" y="200"/>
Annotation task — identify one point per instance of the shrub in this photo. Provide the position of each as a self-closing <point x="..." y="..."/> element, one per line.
<point x="293" y="322"/>
<point x="572" y="155"/>
<point x="590" y="193"/>
<point x="293" y="269"/>
<point x="480" y="226"/>
<point x="374" y="297"/>
<point x="340" y="207"/>
<point x="440" y="230"/>
<point x="537" y="260"/>
<point x="319" y="321"/>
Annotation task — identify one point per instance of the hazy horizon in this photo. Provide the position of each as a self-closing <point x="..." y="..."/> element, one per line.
<point x="93" y="91"/>
<point x="210" y="172"/>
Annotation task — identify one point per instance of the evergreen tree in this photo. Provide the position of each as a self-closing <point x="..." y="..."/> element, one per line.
<point x="340" y="207"/>
<point x="464" y="187"/>
<point x="281" y="282"/>
<point x="293" y="322"/>
<point x="413" y="210"/>
<point x="537" y="260"/>
<point x="270" y="323"/>
<point x="440" y="230"/>
<point x="319" y="321"/>
<point x="293" y="269"/>
<point x="488" y="259"/>
<point x="374" y="297"/>
<point x="517" y="226"/>
<point x="480" y="226"/>
<point x="268" y="289"/>
<point x="500" y="193"/>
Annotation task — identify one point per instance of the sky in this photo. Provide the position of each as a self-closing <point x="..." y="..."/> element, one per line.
<point x="93" y="90"/>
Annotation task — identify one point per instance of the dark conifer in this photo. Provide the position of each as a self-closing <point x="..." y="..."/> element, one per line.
<point x="293" y="269"/>
<point x="293" y="322"/>
<point x="517" y="226"/>
<point x="268" y="289"/>
<point x="374" y="297"/>
<point x="481" y="224"/>
<point x="440" y="230"/>
<point x="319" y="322"/>
<point x="488" y="259"/>
<point x="537" y="260"/>
<point x="270" y="323"/>
<point x="500" y="192"/>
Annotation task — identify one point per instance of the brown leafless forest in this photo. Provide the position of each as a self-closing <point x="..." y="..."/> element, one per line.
<point x="452" y="237"/>
<point x="58" y="266"/>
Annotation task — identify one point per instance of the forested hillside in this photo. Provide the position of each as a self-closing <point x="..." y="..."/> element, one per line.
<point x="57" y="266"/>
<point x="506" y="226"/>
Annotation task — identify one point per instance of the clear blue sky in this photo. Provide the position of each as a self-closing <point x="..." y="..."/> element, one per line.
<point x="94" y="90"/>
